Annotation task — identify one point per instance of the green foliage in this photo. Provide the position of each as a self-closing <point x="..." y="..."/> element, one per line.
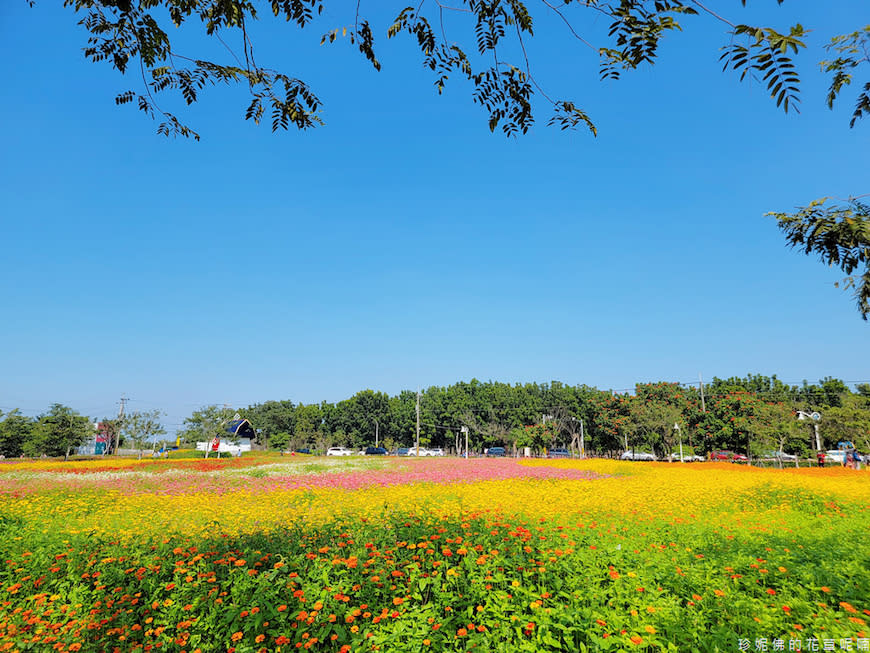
<point x="204" y="424"/>
<point x="453" y="582"/>
<point x="850" y="421"/>
<point x="496" y="65"/>
<point x="15" y="430"/>
<point x="57" y="432"/>
<point x="766" y="59"/>
<point x="141" y="428"/>
<point x="852" y="50"/>
<point x="272" y="418"/>
<point x="840" y="235"/>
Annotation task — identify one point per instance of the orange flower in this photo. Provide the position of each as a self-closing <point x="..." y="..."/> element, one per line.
<point x="426" y="642"/>
<point x="636" y="639"/>
<point x="237" y="636"/>
<point x="650" y="629"/>
<point x="259" y="638"/>
<point x="847" y="607"/>
<point x="771" y="591"/>
<point x="718" y="592"/>
<point x="398" y="601"/>
<point x="461" y="632"/>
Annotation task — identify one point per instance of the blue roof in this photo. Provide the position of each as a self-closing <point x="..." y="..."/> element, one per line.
<point x="240" y="428"/>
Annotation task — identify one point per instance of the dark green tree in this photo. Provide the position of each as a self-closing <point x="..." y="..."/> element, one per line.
<point x="15" y="430"/>
<point x="271" y="418"/>
<point x="58" y="432"/>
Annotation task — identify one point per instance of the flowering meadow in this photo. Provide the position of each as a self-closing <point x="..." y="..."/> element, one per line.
<point x="268" y="553"/>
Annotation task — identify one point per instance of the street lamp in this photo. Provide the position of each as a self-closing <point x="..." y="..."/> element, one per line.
<point x="815" y="416"/>
<point x="464" y="429"/>
<point x="376" y="432"/>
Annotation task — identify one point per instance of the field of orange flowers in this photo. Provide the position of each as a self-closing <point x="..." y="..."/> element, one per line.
<point x="277" y="554"/>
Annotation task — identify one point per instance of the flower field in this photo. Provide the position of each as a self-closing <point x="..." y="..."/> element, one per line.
<point x="276" y="554"/>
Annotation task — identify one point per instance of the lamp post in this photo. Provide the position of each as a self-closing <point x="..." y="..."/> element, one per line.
<point x="464" y="430"/>
<point x="815" y="416"/>
<point x="376" y="432"/>
<point x="680" y="438"/>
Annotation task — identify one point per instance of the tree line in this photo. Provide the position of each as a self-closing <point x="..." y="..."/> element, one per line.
<point x="754" y="415"/>
<point x="61" y="430"/>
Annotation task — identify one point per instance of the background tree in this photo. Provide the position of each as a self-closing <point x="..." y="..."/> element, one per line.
<point x="111" y="429"/>
<point x="777" y="428"/>
<point x="271" y="418"/>
<point x="654" y="424"/>
<point x="205" y="424"/>
<point x="848" y="422"/>
<point x="141" y="427"/>
<point x="15" y="430"/>
<point x="58" y="432"/>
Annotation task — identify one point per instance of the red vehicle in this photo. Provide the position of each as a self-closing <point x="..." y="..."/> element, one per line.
<point x="724" y="454"/>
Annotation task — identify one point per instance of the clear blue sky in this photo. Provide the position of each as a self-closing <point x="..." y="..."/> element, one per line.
<point x="402" y="244"/>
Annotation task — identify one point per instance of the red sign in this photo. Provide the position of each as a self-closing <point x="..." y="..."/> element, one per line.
<point x="215" y="444"/>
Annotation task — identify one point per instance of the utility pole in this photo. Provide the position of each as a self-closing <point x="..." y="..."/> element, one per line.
<point x="120" y="425"/>
<point x="418" y="422"/>
<point x="701" y="386"/>
<point x="582" y="442"/>
<point x="376" y="432"/>
<point x="465" y="431"/>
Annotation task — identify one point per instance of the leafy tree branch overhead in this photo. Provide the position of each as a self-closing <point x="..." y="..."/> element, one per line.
<point x="132" y="37"/>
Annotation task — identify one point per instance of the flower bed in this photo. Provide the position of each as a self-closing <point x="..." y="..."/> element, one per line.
<point x="432" y="554"/>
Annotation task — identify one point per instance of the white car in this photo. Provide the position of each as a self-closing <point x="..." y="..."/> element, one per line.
<point x="637" y="455"/>
<point x="338" y="451"/>
<point x="781" y="455"/>
<point x="432" y="452"/>
<point x="835" y="455"/>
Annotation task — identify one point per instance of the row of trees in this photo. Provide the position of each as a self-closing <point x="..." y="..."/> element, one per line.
<point x="754" y="414"/>
<point x="60" y="431"/>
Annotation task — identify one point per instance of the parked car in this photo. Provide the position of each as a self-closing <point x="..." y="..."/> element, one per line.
<point x="835" y="456"/>
<point x="302" y="450"/>
<point x="780" y="455"/>
<point x="496" y="452"/>
<point x="432" y="452"/>
<point x="725" y="454"/>
<point x="558" y="453"/>
<point x="375" y="451"/>
<point x="637" y="455"/>
<point x="403" y="451"/>
<point x="338" y="451"/>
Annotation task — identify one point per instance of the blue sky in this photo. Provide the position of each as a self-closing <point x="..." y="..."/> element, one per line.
<point x="402" y="244"/>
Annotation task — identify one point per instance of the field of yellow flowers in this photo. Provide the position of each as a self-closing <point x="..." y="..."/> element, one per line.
<point x="277" y="554"/>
